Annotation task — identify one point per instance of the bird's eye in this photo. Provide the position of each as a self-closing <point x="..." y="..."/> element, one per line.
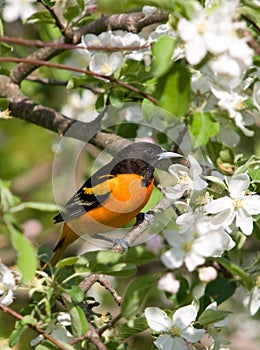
<point x="150" y="151"/>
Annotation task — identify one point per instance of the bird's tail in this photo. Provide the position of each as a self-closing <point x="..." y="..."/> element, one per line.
<point x="67" y="237"/>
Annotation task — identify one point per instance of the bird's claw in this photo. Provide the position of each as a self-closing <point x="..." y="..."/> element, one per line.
<point x="149" y="216"/>
<point x="116" y="241"/>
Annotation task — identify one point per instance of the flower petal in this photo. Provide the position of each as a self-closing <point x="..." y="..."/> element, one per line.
<point x="157" y="319"/>
<point x="184" y="316"/>
<point x="166" y="342"/>
<point x="244" y="221"/>
<point x="251" y="204"/>
<point x="173" y="258"/>
<point x="193" y="260"/>
<point x="237" y="185"/>
<point x="192" y="334"/>
<point x="218" y="205"/>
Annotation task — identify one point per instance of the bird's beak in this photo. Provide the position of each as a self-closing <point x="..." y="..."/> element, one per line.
<point x="168" y="155"/>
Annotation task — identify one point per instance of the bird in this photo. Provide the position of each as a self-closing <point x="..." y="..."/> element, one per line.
<point x="111" y="197"/>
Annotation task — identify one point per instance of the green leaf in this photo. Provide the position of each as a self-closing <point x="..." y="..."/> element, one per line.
<point x="136" y="294"/>
<point x="7" y="199"/>
<point x="220" y="289"/>
<point x="40" y="17"/>
<point x="173" y="90"/>
<point x="5" y="49"/>
<point x="163" y="51"/>
<point x="28" y="319"/>
<point x="252" y="12"/>
<point x="203" y="126"/>
<point x="254" y="174"/>
<point x="49" y="2"/>
<point x="212" y="316"/>
<point x="79" y="322"/>
<point x="138" y="255"/>
<point x="4" y="103"/>
<point x="76" y="293"/>
<point x="237" y="271"/>
<point x="183" y="294"/>
<point x="71" y="12"/>
<point x="16" y="333"/>
<point x="106" y="262"/>
<point x="26" y="255"/>
<point x="132" y="327"/>
<point x="35" y="205"/>
<point x="50" y="346"/>
<point x="116" y="98"/>
<point x="221" y="155"/>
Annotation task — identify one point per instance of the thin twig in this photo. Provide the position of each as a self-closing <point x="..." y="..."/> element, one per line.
<point x="55" y="17"/>
<point x="36" y="327"/>
<point x="39" y="43"/>
<point x="109" y="324"/>
<point x="56" y="82"/>
<point x="94" y="278"/>
<point x="93" y="335"/>
<point x="82" y="71"/>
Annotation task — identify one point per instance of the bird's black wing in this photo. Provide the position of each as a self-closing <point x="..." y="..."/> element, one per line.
<point x="92" y="194"/>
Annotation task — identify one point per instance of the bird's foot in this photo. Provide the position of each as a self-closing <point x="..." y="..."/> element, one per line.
<point x="120" y="245"/>
<point x="149" y="216"/>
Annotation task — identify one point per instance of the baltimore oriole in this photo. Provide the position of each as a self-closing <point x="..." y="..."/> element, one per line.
<point x="111" y="197"/>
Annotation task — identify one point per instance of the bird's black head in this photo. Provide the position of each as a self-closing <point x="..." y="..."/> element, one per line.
<point x="145" y="151"/>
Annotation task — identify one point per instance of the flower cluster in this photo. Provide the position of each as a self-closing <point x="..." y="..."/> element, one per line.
<point x="14" y="9"/>
<point x="176" y="331"/>
<point x="179" y="332"/>
<point x="194" y="245"/>
<point x="105" y="63"/>
<point x="215" y="32"/>
<point x="238" y="206"/>
<point x="203" y="232"/>
<point x="7" y="285"/>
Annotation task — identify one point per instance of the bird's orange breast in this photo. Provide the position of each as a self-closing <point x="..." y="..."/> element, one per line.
<point x="127" y="198"/>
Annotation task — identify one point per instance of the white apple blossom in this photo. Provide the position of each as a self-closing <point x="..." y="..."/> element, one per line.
<point x="188" y="179"/>
<point x="148" y="11"/>
<point x="207" y="33"/>
<point x="252" y="300"/>
<point x="177" y="331"/>
<point x="161" y="30"/>
<point x="106" y="64"/>
<point x="233" y="103"/>
<point x="15" y="9"/>
<point x="81" y="106"/>
<point x="215" y="32"/>
<point x="193" y="246"/>
<point x="91" y="40"/>
<point x="238" y="206"/>
<point x="57" y="330"/>
<point x="207" y="274"/>
<point x="169" y="283"/>
<point x="7" y="285"/>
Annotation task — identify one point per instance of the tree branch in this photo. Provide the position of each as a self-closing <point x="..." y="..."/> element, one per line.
<point x="139" y="229"/>
<point x="82" y="71"/>
<point x="93" y="335"/>
<point x="94" y="278"/>
<point x="132" y="22"/>
<point x="22" y="107"/>
<point x="36" y="327"/>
